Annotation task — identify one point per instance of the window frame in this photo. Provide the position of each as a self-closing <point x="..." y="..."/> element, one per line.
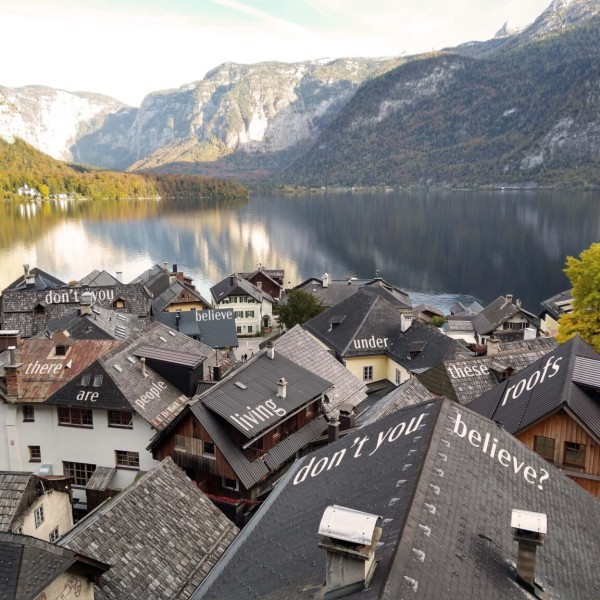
<point x="28" y="413"/>
<point x="540" y="442"/>
<point x="38" y="516"/>
<point x="54" y="535"/>
<point x="120" y="422"/>
<point x="368" y="373"/>
<point x="207" y="454"/>
<point x="225" y="480"/>
<point x="80" y="472"/>
<point x="127" y="459"/>
<point x="85" y="417"/>
<point x="567" y="451"/>
<point x="35" y="454"/>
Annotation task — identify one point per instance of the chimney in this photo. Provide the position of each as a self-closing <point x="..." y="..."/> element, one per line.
<point x="333" y="431"/>
<point x="326" y="280"/>
<point x="493" y="346"/>
<point x="120" y="276"/>
<point x="12" y="375"/>
<point x="29" y="278"/>
<point x="9" y="337"/>
<point x="231" y="280"/>
<point x="143" y="366"/>
<point x="529" y="530"/>
<point x="518" y="302"/>
<point x="281" y="388"/>
<point x="347" y="418"/>
<point x="509" y="298"/>
<point x="349" y="538"/>
<point x="85" y="303"/>
<point x="165" y="266"/>
<point x="270" y="351"/>
<point x="177" y="319"/>
<point x="174" y="267"/>
<point x="405" y="322"/>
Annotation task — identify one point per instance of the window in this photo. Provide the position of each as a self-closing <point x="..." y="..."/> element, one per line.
<point x="28" y="413"/>
<point x="120" y="418"/>
<point x="39" y="309"/>
<point x="127" y="460"/>
<point x="97" y="381"/>
<point x="19" y="530"/>
<point x="544" y="446"/>
<point x="208" y="449"/>
<point x="38" y="515"/>
<point x="238" y="314"/>
<point x="230" y="484"/>
<point x="54" y="535"/>
<point x="119" y="303"/>
<point x="368" y="373"/>
<point x="574" y="454"/>
<point x="81" y="472"/>
<point x="35" y="454"/>
<point x="85" y="380"/>
<point x="75" y="417"/>
<point x="249" y="328"/>
<point x="238" y="329"/>
<point x="249" y="314"/>
<point x="398" y="377"/>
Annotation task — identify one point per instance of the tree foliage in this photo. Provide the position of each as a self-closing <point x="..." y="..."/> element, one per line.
<point x="299" y="307"/>
<point x="584" y="320"/>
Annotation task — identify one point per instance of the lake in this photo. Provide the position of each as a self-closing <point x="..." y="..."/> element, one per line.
<point x="437" y="245"/>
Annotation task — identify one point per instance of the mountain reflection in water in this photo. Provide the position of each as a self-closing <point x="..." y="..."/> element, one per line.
<point x="441" y="244"/>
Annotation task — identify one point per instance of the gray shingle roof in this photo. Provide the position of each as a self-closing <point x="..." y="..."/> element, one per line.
<point x="162" y="535"/>
<point x="215" y="328"/>
<point x="497" y="312"/>
<point x="99" y="278"/>
<point x="300" y="347"/>
<point x="545" y="386"/>
<point x="43" y="281"/>
<point x="255" y="383"/>
<point x="234" y="285"/>
<point x="177" y="287"/>
<point x="14" y="489"/>
<point x="445" y="504"/>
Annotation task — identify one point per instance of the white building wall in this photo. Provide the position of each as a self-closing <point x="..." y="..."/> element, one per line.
<point x="96" y="445"/>
<point x="249" y="313"/>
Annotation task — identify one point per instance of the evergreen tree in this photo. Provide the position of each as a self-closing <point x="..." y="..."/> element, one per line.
<point x="299" y="307"/>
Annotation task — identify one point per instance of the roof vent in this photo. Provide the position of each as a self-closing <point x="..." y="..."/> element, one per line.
<point x="529" y="530"/>
<point x="282" y="388"/>
<point x="349" y="537"/>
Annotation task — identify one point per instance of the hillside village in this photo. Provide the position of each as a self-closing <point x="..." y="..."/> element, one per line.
<point x="158" y="444"/>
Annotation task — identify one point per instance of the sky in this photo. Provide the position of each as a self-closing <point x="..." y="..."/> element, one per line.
<point x="129" y="48"/>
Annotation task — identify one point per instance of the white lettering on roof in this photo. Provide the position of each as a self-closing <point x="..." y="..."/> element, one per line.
<point x="537" y="377"/>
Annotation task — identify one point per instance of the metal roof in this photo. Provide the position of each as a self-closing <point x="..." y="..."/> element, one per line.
<point x="347" y="524"/>
<point x="256" y="407"/>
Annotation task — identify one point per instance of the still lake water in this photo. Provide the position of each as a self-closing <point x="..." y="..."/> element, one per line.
<point x="443" y="244"/>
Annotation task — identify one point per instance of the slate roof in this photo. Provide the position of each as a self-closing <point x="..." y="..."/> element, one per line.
<point x="339" y="290"/>
<point x="256" y="382"/>
<point x="497" y="312"/>
<point x="445" y="505"/>
<point x="43" y="281"/>
<point x="18" y="306"/>
<point x="37" y="387"/>
<point x="411" y="392"/>
<point x="156" y="279"/>
<point x="161" y="535"/>
<point x="565" y="377"/>
<point x="300" y="347"/>
<point x="102" y="323"/>
<point x="29" y="565"/>
<point x="202" y="325"/>
<point x="15" y="489"/>
<point x="367" y="319"/>
<point x="234" y="285"/>
<point x="559" y="304"/>
<point x="177" y="287"/>
<point x="465" y="379"/>
<point x="99" y="278"/>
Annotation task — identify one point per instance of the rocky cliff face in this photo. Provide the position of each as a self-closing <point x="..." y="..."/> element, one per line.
<point x="52" y="120"/>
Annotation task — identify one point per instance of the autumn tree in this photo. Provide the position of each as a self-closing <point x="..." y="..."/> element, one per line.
<point x="299" y="307"/>
<point x="584" y="273"/>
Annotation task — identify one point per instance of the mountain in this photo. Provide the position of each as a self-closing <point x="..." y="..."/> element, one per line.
<point x="52" y="120"/>
<point x="517" y="108"/>
<point x="524" y="114"/>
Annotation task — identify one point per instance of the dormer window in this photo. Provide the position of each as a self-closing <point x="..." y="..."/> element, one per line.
<point x="119" y="304"/>
<point x="39" y="309"/>
<point x="61" y="349"/>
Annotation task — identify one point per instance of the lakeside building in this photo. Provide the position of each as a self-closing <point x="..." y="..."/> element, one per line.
<point x="553" y="308"/>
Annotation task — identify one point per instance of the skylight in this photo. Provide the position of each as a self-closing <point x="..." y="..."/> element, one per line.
<point x="241" y="385"/>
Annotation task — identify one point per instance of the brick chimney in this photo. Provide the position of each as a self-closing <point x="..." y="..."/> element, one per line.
<point x="12" y="373"/>
<point x="349" y="538"/>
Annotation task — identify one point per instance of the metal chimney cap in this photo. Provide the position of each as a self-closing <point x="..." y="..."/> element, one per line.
<point x="349" y="525"/>
<point x="526" y="520"/>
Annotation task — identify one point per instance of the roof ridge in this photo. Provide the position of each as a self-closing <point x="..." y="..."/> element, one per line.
<point x="374" y="300"/>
